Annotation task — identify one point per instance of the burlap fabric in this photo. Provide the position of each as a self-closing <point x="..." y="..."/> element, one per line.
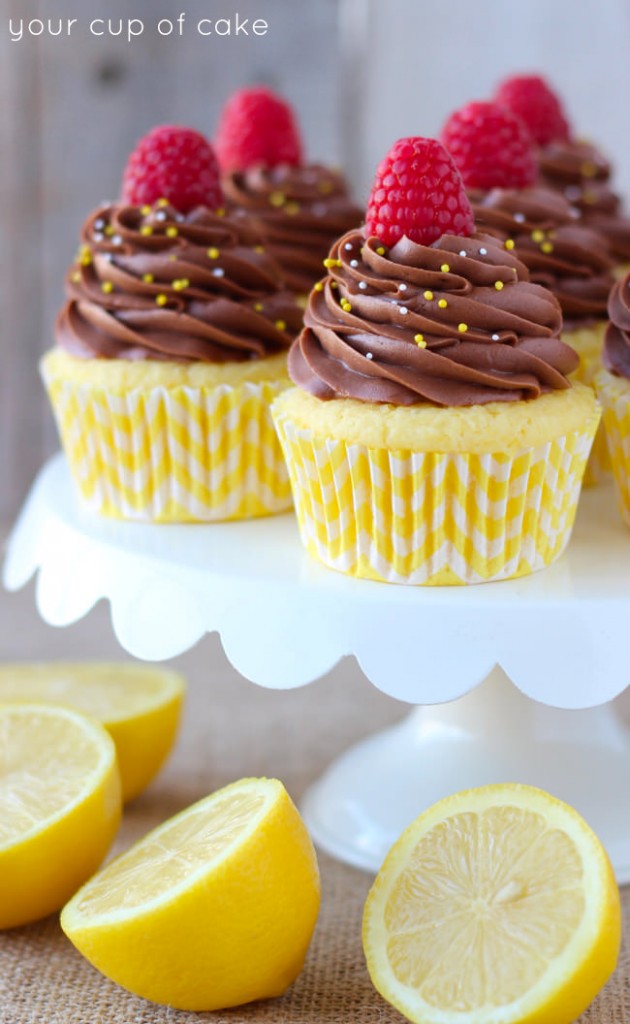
<point x="231" y="729"/>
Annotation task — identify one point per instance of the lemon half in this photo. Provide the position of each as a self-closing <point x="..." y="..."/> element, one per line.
<point x="139" y="705"/>
<point x="59" y="807"/>
<point x="213" y="909"/>
<point x="497" y="905"/>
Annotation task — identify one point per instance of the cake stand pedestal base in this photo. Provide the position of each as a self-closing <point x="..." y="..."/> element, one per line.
<point x="369" y="795"/>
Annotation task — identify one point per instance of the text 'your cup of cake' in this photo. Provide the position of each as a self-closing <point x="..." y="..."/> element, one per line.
<point x="434" y="436"/>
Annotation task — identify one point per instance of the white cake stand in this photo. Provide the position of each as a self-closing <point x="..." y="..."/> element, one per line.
<point x="561" y="636"/>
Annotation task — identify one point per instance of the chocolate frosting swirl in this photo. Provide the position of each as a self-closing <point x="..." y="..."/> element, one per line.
<point x="152" y="283"/>
<point x="616" y="352"/>
<point x="581" y="173"/>
<point x="300" y="212"/>
<point x="570" y="259"/>
<point x="455" y="323"/>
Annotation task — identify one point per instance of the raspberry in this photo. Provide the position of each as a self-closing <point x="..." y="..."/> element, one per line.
<point x="491" y="147"/>
<point x="257" y="127"/>
<point x="173" y="163"/>
<point x="418" y="192"/>
<point x="531" y="99"/>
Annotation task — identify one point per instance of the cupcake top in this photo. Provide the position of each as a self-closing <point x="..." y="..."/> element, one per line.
<point x="299" y="207"/>
<point x="409" y="314"/>
<point x="569" y="258"/>
<point x="152" y="283"/>
<point x="582" y="173"/>
<point x="299" y="211"/>
<point x="171" y="280"/>
<point x="616" y="352"/>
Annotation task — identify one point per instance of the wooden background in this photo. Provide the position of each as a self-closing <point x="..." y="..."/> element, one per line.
<point x="70" y="111"/>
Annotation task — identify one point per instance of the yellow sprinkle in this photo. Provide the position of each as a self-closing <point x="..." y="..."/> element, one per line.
<point x="345" y="305"/>
<point x="445" y="268"/>
<point x="172" y="232"/>
<point x="86" y="259"/>
<point x="442" y="303"/>
<point x="280" y="324"/>
<point x="509" y="244"/>
<point x="547" y="247"/>
<point x="319" y="287"/>
<point x="107" y="287"/>
<point x="258" y="306"/>
<point x="257" y="248"/>
<point x="498" y="285"/>
<point x="277" y="198"/>
<point x="180" y="284"/>
<point x="173" y="258"/>
<point x="419" y="340"/>
<point x="162" y="202"/>
<point x="148" y="278"/>
<point x="220" y="212"/>
<point x="428" y="296"/>
<point x="161" y="299"/>
<point x="381" y="250"/>
<point x="292" y="208"/>
<point x="588" y="169"/>
<point x="109" y="231"/>
<point x="145" y="210"/>
<point x="146" y="229"/>
<point x="333" y="284"/>
<point x="325" y="187"/>
<point x="462" y="328"/>
<point x="538" y="235"/>
<point x="589" y="197"/>
<point x="76" y="277"/>
<point x="328" y="263"/>
<point x="213" y="253"/>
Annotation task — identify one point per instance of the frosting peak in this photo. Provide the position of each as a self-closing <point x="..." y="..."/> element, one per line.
<point x="454" y="323"/>
<point x="616" y="352"/>
<point x="150" y="282"/>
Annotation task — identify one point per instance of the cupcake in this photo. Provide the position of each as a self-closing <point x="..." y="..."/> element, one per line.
<point x="300" y="208"/>
<point x="494" y="154"/>
<point x="170" y="348"/>
<point x="613" y="389"/>
<point x="574" y="167"/>
<point x="434" y="436"/>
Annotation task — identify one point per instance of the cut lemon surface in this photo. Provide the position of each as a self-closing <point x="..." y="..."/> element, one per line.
<point x="497" y="905"/>
<point x="213" y="909"/>
<point x="140" y="706"/>
<point x="59" y="807"/>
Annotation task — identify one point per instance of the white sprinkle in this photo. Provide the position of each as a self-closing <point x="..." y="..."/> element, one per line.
<point x="218" y="272"/>
<point x="99" y="224"/>
<point x="402" y="287"/>
<point x="179" y="217"/>
<point x="348" y="246"/>
<point x="495" y="337"/>
<point x="354" y="263"/>
<point x="519" y="217"/>
<point x="362" y="285"/>
<point x="107" y="256"/>
<point x="483" y="252"/>
<point x="404" y="310"/>
<point x="573" y="192"/>
<point x="161" y="215"/>
<point x="98" y="236"/>
<point x="319" y="209"/>
<point x="462" y="252"/>
<point x="575" y="213"/>
<point x="117" y="240"/>
<point x="368" y="355"/>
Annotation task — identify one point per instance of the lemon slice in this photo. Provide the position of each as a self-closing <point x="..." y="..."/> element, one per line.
<point x="59" y="807"/>
<point x="497" y="905"/>
<point x="214" y="908"/>
<point x="139" y="705"/>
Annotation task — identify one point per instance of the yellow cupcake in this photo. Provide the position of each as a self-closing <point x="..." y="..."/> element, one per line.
<point x="170" y="348"/>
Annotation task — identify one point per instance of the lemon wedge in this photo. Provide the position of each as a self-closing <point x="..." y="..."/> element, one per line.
<point x="59" y="807"/>
<point x="213" y="909"/>
<point x="497" y="905"/>
<point x="139" y="705"/>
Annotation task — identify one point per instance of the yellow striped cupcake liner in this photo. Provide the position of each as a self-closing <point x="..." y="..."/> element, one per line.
<point x="588" y="344"/>
<point x="614" y="395"/>
<point x="173" y="454"/>
<point x="434" y="519"/>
